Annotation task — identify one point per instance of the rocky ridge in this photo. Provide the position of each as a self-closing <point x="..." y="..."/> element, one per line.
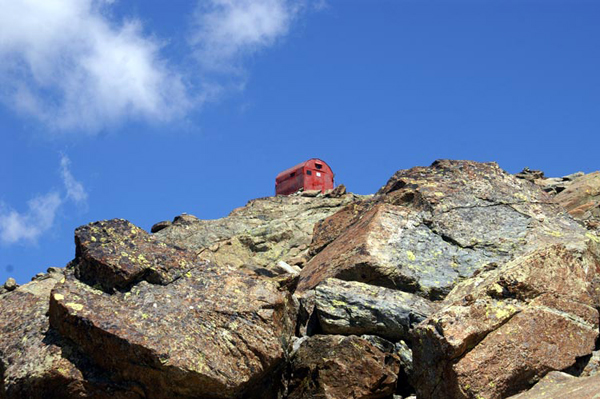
<point x="456" y="280"/>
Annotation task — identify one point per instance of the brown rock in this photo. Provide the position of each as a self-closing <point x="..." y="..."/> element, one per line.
<point x="35" y="362"/>
<point x="338" y="191"/>
<point x="529" y="174"/>
<point x="159" y="226"/>
<point x="502" y="330"/>
<point x="557" y="385"/>
<point x="582" y="197"/>
<point x="215" y="332"/>
<point x="115" y="254"/>
<point x="339" y="367"/>
<point x="328" y="229"/>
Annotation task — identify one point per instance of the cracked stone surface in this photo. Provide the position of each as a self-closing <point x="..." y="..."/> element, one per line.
<point x="36" y="363"/>
<point x="431" y="227"/>
<point x="114" y="254"/>
<point x="504" y="329"/>
<point x="262" y="233"/>
<point x="352" y="308"/>
<point x="582" y="198"/>
<point x="213" y="332"/>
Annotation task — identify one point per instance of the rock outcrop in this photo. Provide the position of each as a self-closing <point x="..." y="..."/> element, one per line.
<point x="454" y="281"/>
<point x="264" y="232"/>
<point x="429" y="228"/>
<point x="187" y="329"/>
<point x="502" y="330"/>
<point x="582" y="199"/>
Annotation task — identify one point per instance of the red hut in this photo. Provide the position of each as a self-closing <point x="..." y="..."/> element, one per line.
<point x="313" y="174"/>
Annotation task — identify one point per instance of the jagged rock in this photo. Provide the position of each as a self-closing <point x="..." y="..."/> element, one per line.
<point x="330" y="228"/>
<point x="557" y="385"/>
<point x="347" y="308"/>
<point x="264" y="232"/>
<point x="432" y="227"/>
<point x="404" y="354"/>
<point x="593" y="365"/>
<point x="34" y="362"/>
<point x="529" y="174"/>
<point x="213" y="332"/>
<point x="505" y="328"/>
<point x="337" y="192"/>
<point x="283" y="267"/>
<point x="10" y="284"/>
<point x="582" y="197"/>
<point x="555" y="185"/>
<point x="115" y="254"/>
<point x="159" y="226"/>
<point x="310" y="193"/>
<point x="55" y="270"/>
<point x="339" y="367"/>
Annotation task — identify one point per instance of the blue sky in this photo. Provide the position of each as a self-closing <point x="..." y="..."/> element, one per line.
<point x="144" y="109"/>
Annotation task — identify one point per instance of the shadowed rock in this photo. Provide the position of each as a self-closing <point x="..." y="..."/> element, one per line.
<point x="34" y="362"/>
<point x="338" y="367"/>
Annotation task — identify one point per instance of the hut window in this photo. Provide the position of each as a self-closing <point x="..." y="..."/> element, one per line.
<point x="292" y="174"/>
<point x="318" y="166"/>
<point x="309" y="172"/>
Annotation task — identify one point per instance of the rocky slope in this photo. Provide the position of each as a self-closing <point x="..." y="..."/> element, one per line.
<point x="456" y="280"/>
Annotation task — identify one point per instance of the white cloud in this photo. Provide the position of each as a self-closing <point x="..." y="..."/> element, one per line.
<point x="74" y="67"/>
<point x="227" y="30"/>
<point x="65" y="63"/>
<point x="28" y="226"/>
<point x="41" y="211"/>
<point x="75" y="190"/>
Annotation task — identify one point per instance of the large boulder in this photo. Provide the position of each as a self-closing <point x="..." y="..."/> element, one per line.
<point x="557" y="385"/>
<point x="35" y="362"/>
<point x="262" y="233"/>
<point x="340" y="367"/>
<point x="504" y="329"/>
<point x="431" y="227"/>
<point x="114" y="254"/>
<point x="353" y="308"/>
<point x="212" y="332"/>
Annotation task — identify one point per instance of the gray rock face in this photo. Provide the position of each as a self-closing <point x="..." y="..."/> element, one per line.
<point x="352" y="308"/>
<point x="262" y="233"/>
<point x="432" y="227"/>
